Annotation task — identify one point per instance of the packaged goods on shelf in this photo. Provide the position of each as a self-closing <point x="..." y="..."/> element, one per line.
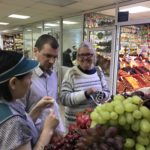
<point x="134" y="57"/>
<point x="101" y="41"/>
<point x="13" y="42"/>
<point x="133" y="82"/>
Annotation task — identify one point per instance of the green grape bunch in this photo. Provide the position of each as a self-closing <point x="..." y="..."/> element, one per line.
<point x="130" y="115"/>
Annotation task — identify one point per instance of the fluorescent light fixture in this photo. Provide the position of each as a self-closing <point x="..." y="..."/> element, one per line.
<point x="4" y="23"/>
<point x="47" y="27"/>
<point x="16" y="29"/>
<point x="40" y="27"/>
<point x="136" y="9"/>
<point x="18" y="16"/>
<point x="29" y="30"/>
<point x="5" y="31"/>
<point x="52" y="24"/>
<point x="69" y="22"/>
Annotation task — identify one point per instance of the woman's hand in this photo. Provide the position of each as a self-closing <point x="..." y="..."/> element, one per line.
<point x="46" y="101"/>
<point x="90" y="91"/>
<point x="38" y="108"/>
<point x="51" y="122"/>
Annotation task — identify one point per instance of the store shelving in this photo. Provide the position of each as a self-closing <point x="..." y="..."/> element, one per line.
<point x="8" y="42"/>
<point x="18" y="42"/>
<point x="13" y="42"/>
<point x="101" y="41"/>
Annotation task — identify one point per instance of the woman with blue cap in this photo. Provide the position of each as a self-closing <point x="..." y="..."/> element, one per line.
<point x="17" y="130"/>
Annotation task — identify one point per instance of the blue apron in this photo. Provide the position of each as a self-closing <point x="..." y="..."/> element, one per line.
<point x="11" y="109"/>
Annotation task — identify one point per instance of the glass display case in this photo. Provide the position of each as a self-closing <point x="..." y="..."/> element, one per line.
<point x="96" y="20"/>
<point x="99" y="30"/>
<point x="101" y="41"/>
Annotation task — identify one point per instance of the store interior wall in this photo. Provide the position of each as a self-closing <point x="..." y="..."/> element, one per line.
<point x="71" y="38"/>
<point x="27" y="36"/>
<point x="72" y="34"/>
<point x="36" y="34"/>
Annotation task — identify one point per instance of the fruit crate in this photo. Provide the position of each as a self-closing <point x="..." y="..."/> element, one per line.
<point x="140" y="81"/>
<point x="133" y="82"/>
<point x="147" y="76"/>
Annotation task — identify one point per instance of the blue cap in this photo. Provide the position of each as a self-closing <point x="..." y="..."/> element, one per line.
<point x="22" y="67"/>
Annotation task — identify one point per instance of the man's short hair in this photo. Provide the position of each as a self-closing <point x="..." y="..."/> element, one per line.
<point x="46" y="39"/>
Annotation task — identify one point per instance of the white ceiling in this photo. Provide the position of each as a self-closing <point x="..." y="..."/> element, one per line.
<point x="141" y="15"/>
<point x="39" y="10"/>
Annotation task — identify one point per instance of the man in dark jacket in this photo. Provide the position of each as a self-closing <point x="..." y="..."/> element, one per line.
<point x="67" y="58"/>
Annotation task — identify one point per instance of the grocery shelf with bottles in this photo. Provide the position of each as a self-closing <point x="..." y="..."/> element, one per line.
<point x="134" y="58"/>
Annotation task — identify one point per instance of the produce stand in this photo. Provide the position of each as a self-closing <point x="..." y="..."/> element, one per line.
<point x="120" y="124"/>
<point x="134" y="58"/>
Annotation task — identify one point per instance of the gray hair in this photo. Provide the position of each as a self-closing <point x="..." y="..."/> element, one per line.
<point x="89" y="46"/>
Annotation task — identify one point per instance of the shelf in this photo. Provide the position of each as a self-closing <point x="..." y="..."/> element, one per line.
<point x="13" y="42"/>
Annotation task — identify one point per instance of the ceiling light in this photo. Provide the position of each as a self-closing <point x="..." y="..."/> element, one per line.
<point x="5" y="31"/>
<point x="18" y="16"/>
<point x="40" y="27"/>
<point x="4" y="23"/>
<point x="136" y="9"/>
<point x="61" y="3"/>
<point x="46" y="27"/>
<point x="69" y="22"/>
<point x="16" y="29"/>
<point x="52" y="24"/>
<point x="29" y="30"/>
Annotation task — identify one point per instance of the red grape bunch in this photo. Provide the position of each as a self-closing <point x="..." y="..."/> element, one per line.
<point x="64" y="143"/>
<point x="100" y="138"/>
